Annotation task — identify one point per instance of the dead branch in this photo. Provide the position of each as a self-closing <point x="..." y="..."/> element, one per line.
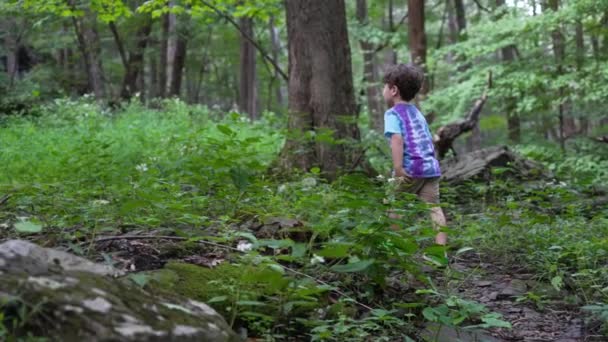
<point x="445" y="136"/>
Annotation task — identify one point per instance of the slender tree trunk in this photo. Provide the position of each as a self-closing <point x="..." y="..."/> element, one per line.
<point x="417" y="37"/>
<point x="559" y="51"/>
<point x="248" y="96"/>
<point x="176" y="54"/>
<point x="580" y="59"/>
<point x="580" y="44"/>
<point x="11" y="45"/>
<point x="370" y="76"/>
<point x="119" y="44"/>
<point x="153" y="88"/>
<point x="461" y="18"/>
<point x="276" y="51"/>
<point x="388" y="22"/>
<point x="88" y="42"/>
<point x="135" y="63"/>
<point x="163" y="65"/>
<point x="513" y="122"/>
<point x="321" y="92"/>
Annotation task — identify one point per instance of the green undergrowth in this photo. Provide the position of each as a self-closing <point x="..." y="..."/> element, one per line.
<point x="75" y="171"/>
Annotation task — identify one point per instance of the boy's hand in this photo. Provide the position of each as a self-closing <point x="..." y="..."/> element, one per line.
<point x="401" y="173"/>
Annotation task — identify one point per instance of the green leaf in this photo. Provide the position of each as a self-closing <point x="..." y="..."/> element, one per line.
<point x="250" y="303"/>
<point x="276" y="244"/>
<point x="357" y="266"/>
<point x="464" y="250"/>
<point x="557" y="282"/>
<point x="429" y="314"/>
<point x="140" y="279"/>
<point x="131" y="206"/>
<point x="225" y="130"/>
<point x="27" y="227"/>
<point x="247" y="236"/>
<point x="298" y="250"/>
<point x="334" y="250"/>
<point x="217" y="299"/>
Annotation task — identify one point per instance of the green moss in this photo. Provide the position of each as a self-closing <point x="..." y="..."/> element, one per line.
<point x="194" y="281"/>
<point x="204" y="283"/>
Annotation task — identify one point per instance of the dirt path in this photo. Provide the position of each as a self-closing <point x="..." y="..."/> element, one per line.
<point x="536" y="311"/>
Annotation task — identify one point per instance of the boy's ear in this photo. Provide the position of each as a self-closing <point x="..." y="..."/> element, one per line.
<point x="394" y="90"/>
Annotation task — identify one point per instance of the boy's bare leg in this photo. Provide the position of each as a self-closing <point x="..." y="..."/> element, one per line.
<point x="429" y="193"/>
<point x="438" y="222"/>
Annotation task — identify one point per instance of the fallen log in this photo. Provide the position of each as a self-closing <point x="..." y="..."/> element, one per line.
<point x="479" y="164"/>
<point x="445" y="136"/>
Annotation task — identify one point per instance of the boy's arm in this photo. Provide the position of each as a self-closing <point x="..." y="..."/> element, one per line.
<point x="397" y="152"/>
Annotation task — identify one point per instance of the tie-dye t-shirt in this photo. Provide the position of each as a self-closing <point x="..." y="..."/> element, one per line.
<point x="418" y="151"/>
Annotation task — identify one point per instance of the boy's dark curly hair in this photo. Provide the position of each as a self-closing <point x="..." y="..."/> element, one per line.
<point x="407" y="78"/>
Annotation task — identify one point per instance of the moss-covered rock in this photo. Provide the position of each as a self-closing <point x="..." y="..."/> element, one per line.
<point x="60" y="299"/>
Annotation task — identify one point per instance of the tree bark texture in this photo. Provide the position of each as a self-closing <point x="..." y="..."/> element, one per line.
<point x="417" y="37"/>
<point x="135" y="61"/>
<point x="322" y="109"/>
<point x="248" y="93"/>
<point x="88" y="42"/>
<point x="370" y="74"/>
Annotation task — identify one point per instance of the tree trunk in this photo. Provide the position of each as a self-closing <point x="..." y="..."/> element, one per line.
<point x="513" y="122"/>
<point x="135" y="61"/>
<point x="461" y="18"/>
<point x="153" y="88"/>
<point x="321" y="92"/>
<point x="370" y="75"/>
<point x="11" y="46"/>
<point x="559" y="51"/>
<point x="176" y="53"/>
<point x="580" y="44"/>
<point x="248" y="96"/>
<point x="88" y="42"/>
<point x="276" y="51"/>
<point x="417" y="37"/>
<point x="163" y="65"/>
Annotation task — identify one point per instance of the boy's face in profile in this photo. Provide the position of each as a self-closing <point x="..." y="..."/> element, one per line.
<point x="390" y="93"/>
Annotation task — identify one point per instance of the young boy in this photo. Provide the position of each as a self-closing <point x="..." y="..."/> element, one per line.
<point x="411" y="141"/>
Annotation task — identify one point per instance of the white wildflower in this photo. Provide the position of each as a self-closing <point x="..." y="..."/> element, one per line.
<point x="142" y="167"/>
<point x="380" y="177"/>
<point x="316" y="259"/>
<point x="392" y="180"/>
<point x="100" y="202"/>
<point x="244" y="246"/>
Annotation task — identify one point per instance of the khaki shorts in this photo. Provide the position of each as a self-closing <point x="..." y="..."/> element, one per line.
<point x="427" y="189"/>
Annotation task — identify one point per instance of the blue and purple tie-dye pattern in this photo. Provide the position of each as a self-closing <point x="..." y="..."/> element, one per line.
<point x="418" y="151"/>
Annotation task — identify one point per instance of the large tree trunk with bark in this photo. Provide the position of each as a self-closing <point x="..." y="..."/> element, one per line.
<point x="370" y="74"/>
<point x="135" y="62"/>
<point x="248" y="94"/>
<point x="89" y="45"/>
<point x="417" y="37"/>
<point x="321" y="92"/>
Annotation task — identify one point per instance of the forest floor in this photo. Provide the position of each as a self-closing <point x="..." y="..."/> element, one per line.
<point x="508" y="290"/>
